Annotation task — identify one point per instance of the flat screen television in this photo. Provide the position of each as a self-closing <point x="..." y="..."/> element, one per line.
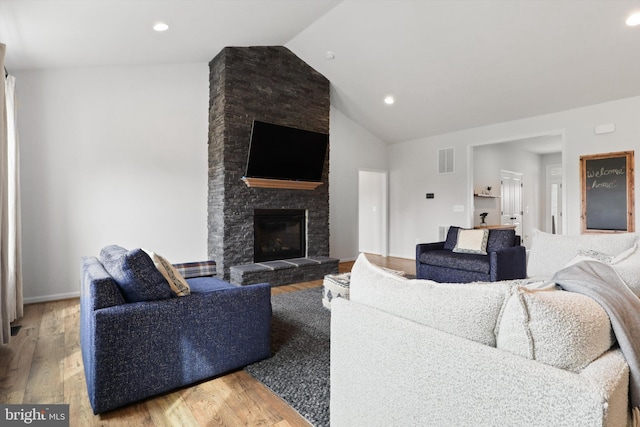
<point x="286" y="153"/>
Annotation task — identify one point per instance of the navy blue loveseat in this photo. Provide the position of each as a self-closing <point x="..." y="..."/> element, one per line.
<point x="135" y="350"/>
<point x="505" y="259"/>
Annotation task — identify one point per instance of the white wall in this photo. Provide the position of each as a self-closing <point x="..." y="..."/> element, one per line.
<point x="352" y="148"/>
<point x="413" y="172"/>
<point x="118" y="155"/>
<point x="413" y="168"/>
<point x="112" y="155"/>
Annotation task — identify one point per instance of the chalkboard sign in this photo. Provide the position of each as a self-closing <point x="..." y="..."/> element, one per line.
<point x="607" y="192"/>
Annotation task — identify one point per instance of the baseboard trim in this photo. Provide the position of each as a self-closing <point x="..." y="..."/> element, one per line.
<point x="413" y="258"/>
<point x="49" y="298"/>
<point x="388" y="256"/>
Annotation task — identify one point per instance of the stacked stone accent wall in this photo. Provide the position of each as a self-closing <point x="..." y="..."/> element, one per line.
<point x="272" y="85"/>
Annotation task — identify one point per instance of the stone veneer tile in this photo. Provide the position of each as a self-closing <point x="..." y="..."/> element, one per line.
<point x="277" y="265"/>
<point x="251" y="268"/>
<point x="302" y="261"/>
<point x="259" y="273"/>
<point x="270" y="84"/>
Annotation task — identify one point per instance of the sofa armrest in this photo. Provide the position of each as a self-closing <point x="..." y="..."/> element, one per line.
<point x="422" y="248"/>
<point x="98" y="289"/>
<point x="134" y="351"/>
<point x="508" y="263"/>
<point x="426" y="247"/>
<point x="433" y="378"/>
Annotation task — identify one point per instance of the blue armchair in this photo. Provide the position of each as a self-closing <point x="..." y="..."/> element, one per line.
<point x="505" y="259"/>
<point x="135" y="350"/>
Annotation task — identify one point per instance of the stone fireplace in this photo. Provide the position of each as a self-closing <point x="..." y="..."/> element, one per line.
<point x="279" y="234"/>
<point x="273" y="85"/>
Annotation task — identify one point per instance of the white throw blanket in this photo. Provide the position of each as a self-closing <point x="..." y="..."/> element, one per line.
<point x="600" y="282"/>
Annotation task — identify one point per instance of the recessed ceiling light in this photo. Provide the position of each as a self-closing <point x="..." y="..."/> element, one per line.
<point x="633" y="19"/>
<point x="389" y="100"/>
<point x="160" y="26"/>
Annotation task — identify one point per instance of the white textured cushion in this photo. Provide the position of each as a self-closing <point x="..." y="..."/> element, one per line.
<point x="627" y="265"/>
<point x="177" y="283"/>
<point x="551" y="252"/>
<point x="562" y="329"/>
<point x="467" y="310"/>
<point x="591" y="255"/>
<point x="472" y="241"/>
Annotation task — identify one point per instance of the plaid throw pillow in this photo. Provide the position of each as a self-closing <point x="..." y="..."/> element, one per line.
<point x="196" y="269"/>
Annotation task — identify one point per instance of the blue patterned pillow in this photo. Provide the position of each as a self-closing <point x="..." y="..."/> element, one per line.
<point x="135" y="273"/>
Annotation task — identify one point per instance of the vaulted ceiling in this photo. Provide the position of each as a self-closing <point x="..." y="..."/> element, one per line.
<point x="450" y="65"/>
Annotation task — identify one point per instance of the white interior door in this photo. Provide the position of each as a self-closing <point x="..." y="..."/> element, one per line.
<point x="372" y="212"/>
<point x="511" y="188"/>
<point x="553" y="211"/>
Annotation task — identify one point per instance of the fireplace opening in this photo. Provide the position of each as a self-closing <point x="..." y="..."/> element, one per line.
<point x="279" y="234"/>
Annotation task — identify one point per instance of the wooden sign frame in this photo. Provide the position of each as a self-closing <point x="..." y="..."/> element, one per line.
<point x="607" y="187"/>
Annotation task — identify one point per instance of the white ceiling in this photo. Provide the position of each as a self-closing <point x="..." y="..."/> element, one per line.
<point x="451" y="65"/>
<point x="88" y="33"/>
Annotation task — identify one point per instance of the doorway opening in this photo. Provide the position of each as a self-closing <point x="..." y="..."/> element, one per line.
<point x="553" y="206"/>
<point x="529" y="155"/>
<point x="372" y="212"/>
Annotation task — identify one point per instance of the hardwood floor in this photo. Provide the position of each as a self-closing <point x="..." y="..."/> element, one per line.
<point x="43" y="364"/>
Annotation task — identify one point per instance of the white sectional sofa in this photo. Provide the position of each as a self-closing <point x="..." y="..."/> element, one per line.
<point x="514" y="353"/>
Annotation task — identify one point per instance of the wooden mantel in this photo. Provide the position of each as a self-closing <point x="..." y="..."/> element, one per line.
<point x="280" y="183"/>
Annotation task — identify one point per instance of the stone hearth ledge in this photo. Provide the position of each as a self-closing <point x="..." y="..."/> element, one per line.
<point x="284" y="272"/>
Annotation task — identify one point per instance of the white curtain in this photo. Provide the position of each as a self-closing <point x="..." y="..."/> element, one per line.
<point x="11" y="305"/>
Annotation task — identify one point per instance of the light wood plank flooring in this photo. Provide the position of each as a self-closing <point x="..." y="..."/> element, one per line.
<point x="43" y="364"/>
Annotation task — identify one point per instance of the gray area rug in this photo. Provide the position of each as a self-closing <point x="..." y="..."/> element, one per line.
<point x="298" y="370"/>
